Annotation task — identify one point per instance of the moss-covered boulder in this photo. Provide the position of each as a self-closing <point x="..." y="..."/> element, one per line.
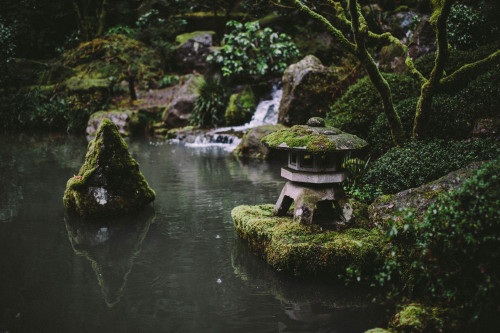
<point x="304" y="249"/>
<point x="109" y="183"/>
<point x="241" y="107"/>
<point x="193" y="48"/>
<point x="420" y="198"/>
<point x="416" y="317"/>
<point x="251" y="145"/>
<point x="307" y="90"/>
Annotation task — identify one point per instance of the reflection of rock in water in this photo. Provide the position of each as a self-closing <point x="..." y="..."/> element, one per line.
<point x="111" y="247"/>
<point x="289" y="289"/>
<point x="309" y="305"/>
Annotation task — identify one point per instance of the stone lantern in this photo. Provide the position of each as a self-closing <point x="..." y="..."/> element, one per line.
<point x="314" y="171"/>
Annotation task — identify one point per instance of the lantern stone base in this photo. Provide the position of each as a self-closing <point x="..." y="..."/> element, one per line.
<point x="314" y="203"/>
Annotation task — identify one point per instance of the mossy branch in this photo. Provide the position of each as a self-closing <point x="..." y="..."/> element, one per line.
<point x="429" y="88"/>
<point x="469" y="71"/>
<point x="387" y="38"/>
<point x="336" y="33"/>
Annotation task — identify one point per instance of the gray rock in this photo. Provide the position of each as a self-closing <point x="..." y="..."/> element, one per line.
<point x="307" y="89"/>
<point x="423" y="41"/>
<point x="418" y="199"/>
<point x="251" y="145"/>
<point x="181" y="106"/>
<point x="193" y="48"/>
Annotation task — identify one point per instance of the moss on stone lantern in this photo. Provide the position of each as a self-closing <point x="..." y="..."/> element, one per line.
<point x="314" y="171"/>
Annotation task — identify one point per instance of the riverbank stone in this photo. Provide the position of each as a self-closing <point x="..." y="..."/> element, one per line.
<point x="418" y="199"/>
<point x="307" y="89"/>
<point x="252" y="147"/>
<point x="304" y="249"/>
<point x="109" y="183"/>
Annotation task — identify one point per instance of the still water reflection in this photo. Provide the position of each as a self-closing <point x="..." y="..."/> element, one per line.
<point x="180" y="268"/>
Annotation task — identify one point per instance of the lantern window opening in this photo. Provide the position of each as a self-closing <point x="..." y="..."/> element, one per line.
<point x="307" y="161"/>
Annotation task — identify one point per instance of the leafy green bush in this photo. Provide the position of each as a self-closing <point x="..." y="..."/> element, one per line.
<point x="456" y="59"/>
<point x="465" y="227"/>
<point x="35" y="110"/>
<point x="249" y="50"/>
<point x="451" y="257"/>
<point x="210" y="105"/>
<point x="358" y="108"/>
<point x="466" y="27"/>
<point x="452" y="116"/>
<point x="420" y="162"/>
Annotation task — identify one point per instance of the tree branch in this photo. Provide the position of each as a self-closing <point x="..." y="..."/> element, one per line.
<point x="438" y="21"/>
<point x="469" y="71"/>
<point x="337" y="34"/>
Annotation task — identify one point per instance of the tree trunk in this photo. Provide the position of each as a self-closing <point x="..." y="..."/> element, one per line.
<point x="430" y="88"/>
<point x="384" y="90"/>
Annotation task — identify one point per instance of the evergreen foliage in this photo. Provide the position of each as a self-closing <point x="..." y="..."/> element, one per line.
<point x="420" y="162"/>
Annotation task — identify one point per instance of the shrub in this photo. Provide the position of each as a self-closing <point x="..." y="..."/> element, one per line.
<point x="466" y="27"/>
<point x="420" y="162"/>
<point x="452" y="116"/>
<point x="456" y="59"/>
<point x="249" y="50"/>
<point x="451" y="257"/>
<point x="210" y="105"/>
<point x="463" y="226"/>
<point x="34" y="110"/>
<point x="358" y="108"/>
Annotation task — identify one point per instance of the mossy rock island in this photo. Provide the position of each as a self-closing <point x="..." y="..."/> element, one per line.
<point x="109" y="183"/>
<point x="305" y="249"/>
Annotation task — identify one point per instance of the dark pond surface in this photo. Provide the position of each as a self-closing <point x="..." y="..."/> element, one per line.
<point x="179" y="269"/>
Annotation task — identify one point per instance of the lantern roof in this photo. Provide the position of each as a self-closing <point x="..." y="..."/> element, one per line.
<point x="315" y="138"/>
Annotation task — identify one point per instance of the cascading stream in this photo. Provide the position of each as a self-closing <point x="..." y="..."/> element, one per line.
<point x="266" y="113"/>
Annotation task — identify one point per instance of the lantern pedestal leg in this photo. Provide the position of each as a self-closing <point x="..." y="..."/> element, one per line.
<point x="311" y="202"/>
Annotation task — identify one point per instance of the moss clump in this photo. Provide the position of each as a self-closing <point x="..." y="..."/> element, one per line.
<point x="314" y="139"/>
<point x="241" y="107"/>
<point x="109" y="183"/>
<point x="416" y="317"/>
<point x="304" y="249"/>
<point x="181" y="39"/>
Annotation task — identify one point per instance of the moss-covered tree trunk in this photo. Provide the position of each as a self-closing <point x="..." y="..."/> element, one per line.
<point x="429" y="88"/>
<point x="340" y="27"/>
<point x="360" y="32"/>
<point x="90" y="26"/>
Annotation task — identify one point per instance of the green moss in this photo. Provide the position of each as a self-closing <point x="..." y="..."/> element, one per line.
<point x="303" y="249"/>
<point x="109" y="183"/>
<point x="417" y="317"/>
<point x="241" y="107"/>
<point x="314" y="139"/>
<point x="181" y="39"/>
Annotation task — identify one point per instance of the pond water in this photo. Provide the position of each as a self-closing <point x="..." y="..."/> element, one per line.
<point x="179" y="269"/>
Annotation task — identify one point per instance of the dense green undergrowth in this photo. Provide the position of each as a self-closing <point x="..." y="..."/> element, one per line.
<point x="450" y="258"/>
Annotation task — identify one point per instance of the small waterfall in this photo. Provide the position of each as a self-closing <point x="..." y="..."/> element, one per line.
<point x="266" y="113"/>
